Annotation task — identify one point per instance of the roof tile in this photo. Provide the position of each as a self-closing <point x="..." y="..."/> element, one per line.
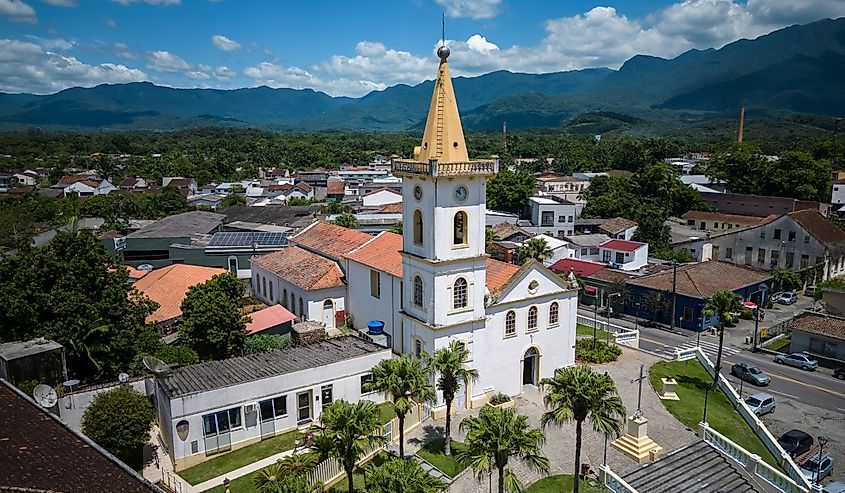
<point x="169" y="285"/>
<point x="302" y="268"/>
<point x="617" y="225"/>
<point x="330" y="240"/>
<point x="824" y="325"/>
<point x="499" y="273"/>
<point x="702" y="279"/>
<point x="822" y="230"/>
<point x="381" y="253"/>
<point x="267" y="318"/>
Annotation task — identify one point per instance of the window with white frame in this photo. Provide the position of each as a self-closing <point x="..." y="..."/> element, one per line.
<point x="274" y="408"/>
<point x="510" y="323"/>
<point x="459" y="293"/>
<point x="532" y="318"/>
<point x="221" y="422"/>
<point x="553" y="313"/>
<point x="418" y="291"/>
<point x="418" y="347"/>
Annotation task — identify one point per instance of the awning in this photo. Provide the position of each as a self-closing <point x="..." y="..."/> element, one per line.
<point x="750" y="304"/>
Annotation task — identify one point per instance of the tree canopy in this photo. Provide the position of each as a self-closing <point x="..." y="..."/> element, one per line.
<point x="119" y="421"/>
<point x="213" y="323"/>
<point x="509" y="191"/>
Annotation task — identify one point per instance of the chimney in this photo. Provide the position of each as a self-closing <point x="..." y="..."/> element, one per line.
<point x="741" y="124"/>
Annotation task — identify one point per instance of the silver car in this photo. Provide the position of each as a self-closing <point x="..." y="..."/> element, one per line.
<point x="798" y="360"/>
<point x="761" y="403"/>
<point x="750" y="373"/>
<point x="813" y="471"/>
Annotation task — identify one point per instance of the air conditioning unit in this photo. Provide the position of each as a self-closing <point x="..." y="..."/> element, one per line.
<point x="249" y="408"/>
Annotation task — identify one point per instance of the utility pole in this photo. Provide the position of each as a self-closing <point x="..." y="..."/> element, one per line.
<point x="674" y="291"/>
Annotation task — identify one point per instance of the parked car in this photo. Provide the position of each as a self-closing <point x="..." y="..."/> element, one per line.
<point x="797" y="360"/>
<point x="775" y="297"/>
<point x="761" y="403"/>
<point x="809" y="291"/>
<point x="787" y="298"/>
<point x="795" y="442"/>
<point x="750" y="374"/>
<point x="817" y="467"/>
<point x="834" y="487"/>
<point x="839" y="373"/>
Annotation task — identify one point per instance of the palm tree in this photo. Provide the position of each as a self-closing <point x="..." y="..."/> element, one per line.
<point x="535" y="248"/>
<point x="495" y="436"/>
<point x="721" y="304"/>
<point x="405" y="381"/>
<point x="88" y="344"/>
<point x="299" y="464"/>
<point x="450" y="362"/>
<point x="576" y="394"/>
<point x="272" y="479"/>
<point x="347" y="432"/>
<point x="402" y="476"/>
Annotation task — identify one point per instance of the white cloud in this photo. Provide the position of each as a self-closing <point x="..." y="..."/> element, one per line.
<point x="18" y="11"/>
<point x="52" y="43"/>
<point x="474" y="9"/>
<point x="150" y="2"/>
<point x="164" y="61"/>
<point x="224" y="73"/>
<point x="27" y="67"/>
<point x="224" y="43"/>
<point x="197" y="75"/>
<point x="61" y="3"/>
<point x="123" y="51"/>
<point x="111" y="23"/>
<point x="274" y="75"/>
<point x="479" y="43"/>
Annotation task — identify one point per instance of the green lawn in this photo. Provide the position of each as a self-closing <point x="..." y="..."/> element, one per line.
<point x="561" y="483"/>
<point x="585" y="330"/>
<point x="230" y="461"/>
<point x="242" y="484"/>
<point x="781" y="344"/>
<point x="386" y="412"/>
<point x="433" y="453"/>
<point x="692" y="380"/>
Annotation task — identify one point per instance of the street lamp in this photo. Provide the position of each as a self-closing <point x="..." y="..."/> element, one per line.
<point x="607" y="326"/>
<point x="822" y="443"/>
<point x="674" y="290"/>
<point x="762" y="288"/>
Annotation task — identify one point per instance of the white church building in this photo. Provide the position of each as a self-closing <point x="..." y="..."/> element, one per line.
<point x="435" y="283"/>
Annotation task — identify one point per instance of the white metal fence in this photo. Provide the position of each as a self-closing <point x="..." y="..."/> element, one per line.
<point x="623" y="336"/>
<point x="172" y="482"/>
<point x="613" y="481"/>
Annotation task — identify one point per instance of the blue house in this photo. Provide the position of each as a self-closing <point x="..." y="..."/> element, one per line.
<point x="694" y="284"/>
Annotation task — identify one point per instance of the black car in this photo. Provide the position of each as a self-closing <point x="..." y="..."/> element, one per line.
<point x="795" y="442"/>
<point x="839" y="373"/>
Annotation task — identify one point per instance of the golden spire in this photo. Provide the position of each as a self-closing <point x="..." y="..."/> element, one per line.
<point x="443" y="138"/>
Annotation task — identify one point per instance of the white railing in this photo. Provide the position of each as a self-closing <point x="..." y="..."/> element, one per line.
<point x="752" y="463"/>
<point x="613" y="482"/>
<point x="757" y="426"/>
<point x="173" y="482"/>
<point x="621" y="335"/>
<point x="685" y="354"/>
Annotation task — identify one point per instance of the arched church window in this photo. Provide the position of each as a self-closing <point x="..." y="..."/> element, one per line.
<point x="418" y="291"/>
<point x="418" y="227"/>
<point x="532" y="318"/>
<point x="459" y="293"/>
<point x="553" y="313"/>
<point x="301" y="309"/>
<point x="459" y="236"/>
<point x="285" y="297"/>
<point x="510" y="323"/>
<point x="271" y="290"/>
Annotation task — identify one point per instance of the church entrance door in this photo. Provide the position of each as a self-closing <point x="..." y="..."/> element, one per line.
<point x="530" y="366"/>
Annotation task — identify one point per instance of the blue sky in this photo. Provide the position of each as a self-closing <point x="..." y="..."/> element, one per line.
<point x="352" y="47"/>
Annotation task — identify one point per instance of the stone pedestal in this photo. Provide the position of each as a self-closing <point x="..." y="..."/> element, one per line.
<point x="636" y="444"/>
<point x="668" y="391"/>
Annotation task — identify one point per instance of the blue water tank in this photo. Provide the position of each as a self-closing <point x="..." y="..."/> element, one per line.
<point x="375" y="327"/>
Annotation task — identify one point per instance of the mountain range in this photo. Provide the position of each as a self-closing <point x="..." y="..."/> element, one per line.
<point x="797" y="69"/>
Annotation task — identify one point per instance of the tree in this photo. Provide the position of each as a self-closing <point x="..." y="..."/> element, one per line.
<point x="509" y="191"/>
<point x="652" y="228"/>
<point x="171" y="201"/>
<point x="450" y="363"/>
<point x="576" y="394"/>
<point x="264" y="343"/>
<point x="404" y="380"/>
<point x="401" y="476"/>
<point x="535" y="248"/>
<point x="721" y="304"/>
<point x="273" y="479"/>
<point x="496" y="435"/>
<point x="57" y="290"/>
<point x="655" y="303"/>
<point x="786" y="279"/>
<point x="346" y="220"/>
<point x="299" y="464"/>
<point x="212" y="321"/>
<point x="396" y="228"/>
<point x="119" y="420"/>
<point x="232" y="199"/>
<point x="347" y="432"/>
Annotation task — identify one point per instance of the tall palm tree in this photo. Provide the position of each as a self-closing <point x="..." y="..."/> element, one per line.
<point x="347" y="432"/>
<point x="721" y="304"/>
<point x="401" y="476"/>
<point x="496" y="435"/>
<point x="535" y="248"/>
<point x="450" y="363"/>
<point x="405" y="381"/>
<point x="576" y="394"/>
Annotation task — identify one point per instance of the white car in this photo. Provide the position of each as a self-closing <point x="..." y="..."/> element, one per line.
<point x="813" y="471"/>
<point x="761" y="403"/>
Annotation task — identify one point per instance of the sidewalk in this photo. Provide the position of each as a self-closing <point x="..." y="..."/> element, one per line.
<point x="243" y="471"/>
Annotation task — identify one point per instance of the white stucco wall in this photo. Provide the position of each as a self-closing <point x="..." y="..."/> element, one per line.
<point x="363" y="307"/>
<point x="837" y="195"/>
<point x="381" y="197"/>
<point x="312" y="301"/>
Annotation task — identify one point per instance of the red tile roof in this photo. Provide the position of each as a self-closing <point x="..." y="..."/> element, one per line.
<point x="381" y="253"/>
<point x="330" y="240"/>
<point x="498" y="274"/>
<point x="823" y="325"/>
<point x="135" y="273"/>
<point x="383" y="189"/>
<point x="576" y="266"/>
<point x="335" y="187"/>
<point x="70" y="179"/>
<point x="702" y="279"/>
<point x="268" y="318"/>
<point x="301" y="268"/>
<point x="169" y="285"/>
<point x="622" y="245"/>
<point x="822" y="230"/>
<point x="617" y="225"/>
<point x="390" y="209"/>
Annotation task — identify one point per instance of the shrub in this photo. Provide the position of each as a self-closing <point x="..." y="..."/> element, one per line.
<point x="499" y="398"/>
<point x="27" y="386"/>
<point x="119" y="421"/>
<point x="595" y="351"/>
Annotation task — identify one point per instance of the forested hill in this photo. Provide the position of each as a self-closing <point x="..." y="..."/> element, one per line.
<point x="795" y="70"/>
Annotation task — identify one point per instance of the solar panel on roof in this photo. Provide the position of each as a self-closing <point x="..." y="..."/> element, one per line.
<point x="236" y="239"/>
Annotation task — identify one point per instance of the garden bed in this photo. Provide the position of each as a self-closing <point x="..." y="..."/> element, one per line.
<point x="433" y="453"/>
<point x="596" y="351"/>
<point x="562" y="483"/>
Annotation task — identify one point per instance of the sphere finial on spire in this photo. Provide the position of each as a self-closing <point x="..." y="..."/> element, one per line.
<point x="443" y="52"/>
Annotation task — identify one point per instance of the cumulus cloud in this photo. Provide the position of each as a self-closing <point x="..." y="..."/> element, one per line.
<point x="164" y="61"/>
<point x="61" y="3"/>
<point x="123" y="51"/>
<point x="274" y="75"/>
<point x="27" y="67"/>
<point x="52" y="43"/>
<point x="18" y="11"/>
<point x="474" y="9"/>
<point x="224" y="43"/>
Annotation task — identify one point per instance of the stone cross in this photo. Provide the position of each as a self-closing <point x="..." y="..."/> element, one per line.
<point x="639" y="413"/>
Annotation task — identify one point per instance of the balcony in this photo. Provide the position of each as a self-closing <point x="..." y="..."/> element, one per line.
<point x="433" y="168"/>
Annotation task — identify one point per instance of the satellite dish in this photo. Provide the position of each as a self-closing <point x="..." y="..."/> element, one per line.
<point x="145" y="267"/>
<point x="45" y="396"/>
<point x="155" y="365"/>
<point x="123" y="377"/>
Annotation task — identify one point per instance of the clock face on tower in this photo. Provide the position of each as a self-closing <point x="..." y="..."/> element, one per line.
<point x="461" y="193"/>
<point x="417" y="192"/>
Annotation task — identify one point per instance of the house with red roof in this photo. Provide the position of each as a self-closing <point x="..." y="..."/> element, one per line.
<point x="624" y="254"/>
<point x="274" y="319"/>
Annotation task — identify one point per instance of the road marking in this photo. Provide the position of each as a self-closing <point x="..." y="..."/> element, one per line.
<point x="782" y="393"/>
<point x="653" y="341"/>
